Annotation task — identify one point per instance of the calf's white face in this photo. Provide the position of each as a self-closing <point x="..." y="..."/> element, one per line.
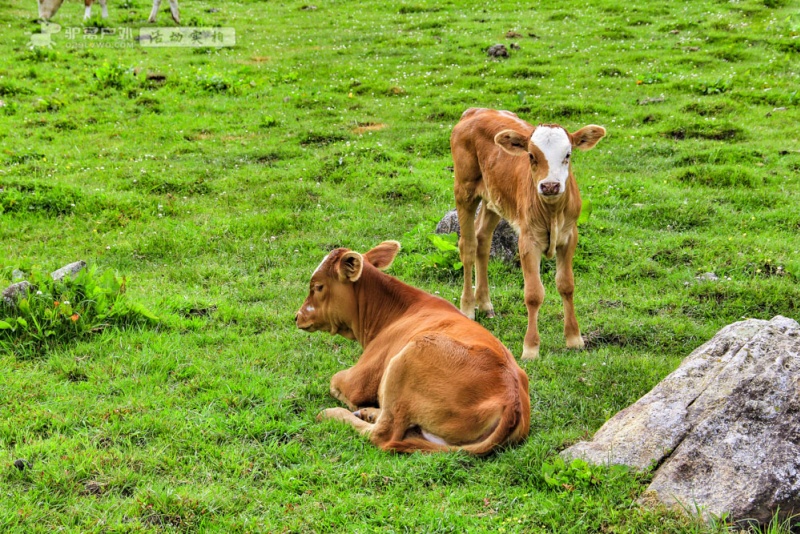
<point x="555" y="147"/>
<point x="549" y="149"/>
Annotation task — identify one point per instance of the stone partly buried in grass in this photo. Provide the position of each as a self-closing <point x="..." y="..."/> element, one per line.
<point x="18" y="290"/>
<point x="22" y="464"/>
<point x="723" y="429"/>
<point x="504" y="239"/>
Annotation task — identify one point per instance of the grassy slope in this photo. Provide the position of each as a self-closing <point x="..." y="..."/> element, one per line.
<point x="222" y="187"/>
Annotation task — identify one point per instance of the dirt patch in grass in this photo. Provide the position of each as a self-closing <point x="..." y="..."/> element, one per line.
<point x="364" y="127"/>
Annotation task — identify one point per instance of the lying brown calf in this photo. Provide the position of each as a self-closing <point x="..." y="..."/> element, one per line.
<point x="429" y="378"/>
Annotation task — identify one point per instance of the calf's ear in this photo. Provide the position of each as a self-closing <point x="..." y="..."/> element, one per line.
<point x="512" y="142"/>
<point x="350" y="266"/>
<point x="383" y="255"/>
<point x="588" y="136"/>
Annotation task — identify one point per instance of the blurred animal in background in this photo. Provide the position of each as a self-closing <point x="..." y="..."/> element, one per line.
<point x="49" y="8"/>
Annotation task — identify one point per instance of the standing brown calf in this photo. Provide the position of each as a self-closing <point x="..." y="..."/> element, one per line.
<point x="524" y="175"/>
<point x="429" y="379"/>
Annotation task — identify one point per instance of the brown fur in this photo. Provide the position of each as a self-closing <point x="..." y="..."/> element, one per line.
<point x="425" y="369"/>
<point x="496" y="162"/>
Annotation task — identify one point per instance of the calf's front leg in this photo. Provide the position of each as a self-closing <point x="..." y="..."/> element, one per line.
<point x="356" y="387"/>
<point x="530" y="257"/>
<point x="565" y="284"/>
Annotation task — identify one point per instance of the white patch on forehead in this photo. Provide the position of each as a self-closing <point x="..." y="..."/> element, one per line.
<point x="321" y="264"/>
<point x="555" y="145"/>
<point x="551" y="141"/>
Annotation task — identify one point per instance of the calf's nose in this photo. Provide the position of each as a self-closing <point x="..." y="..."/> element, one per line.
<point x="549" y="188"/>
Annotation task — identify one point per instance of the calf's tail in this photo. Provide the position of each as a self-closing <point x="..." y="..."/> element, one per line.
<point x="507" y="430"/>
<point x="512" y="427"/>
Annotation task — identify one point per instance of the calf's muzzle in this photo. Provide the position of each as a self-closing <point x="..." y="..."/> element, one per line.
<point x="549" y="188"/>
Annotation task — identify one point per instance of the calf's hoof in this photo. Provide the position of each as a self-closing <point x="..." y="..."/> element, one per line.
<point x="530" y="353"/>
<point x="370" y="415"/>
<point x="575" y="342"/>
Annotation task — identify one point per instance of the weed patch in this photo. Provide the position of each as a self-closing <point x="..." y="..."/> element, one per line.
<point x="720" y="176"/>
<point x="321" y="138"/>
<point x="51" y="313"/>
<point x="113" y="76"/>
<point x="11" y="88"/>
<point x="709" y="109"/>
<point x="713" y="131"/>
<point x="52" y="200"/>
<point x="216" y="83"/>
<point x="157" y="185"/>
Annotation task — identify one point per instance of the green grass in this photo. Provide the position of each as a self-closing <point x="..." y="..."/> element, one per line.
<point x="214" y="181"/>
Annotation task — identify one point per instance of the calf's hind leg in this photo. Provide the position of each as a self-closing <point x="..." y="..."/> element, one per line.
<point x="467" y="177"/>
<point x="467" y="248"/>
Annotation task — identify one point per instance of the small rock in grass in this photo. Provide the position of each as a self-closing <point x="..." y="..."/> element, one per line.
<point x="15" y="291"/>
<point x="497" y="50"/>
<point x="707" y="277"/>
<point x="504" y="239"/>
<point x="71" y="269"/>
<point x="21" y="464"/>
<point x="93" y="488"/>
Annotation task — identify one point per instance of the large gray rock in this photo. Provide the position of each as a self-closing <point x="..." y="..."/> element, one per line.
<point x="504" y="239"/>
<point x="723" y="429"/>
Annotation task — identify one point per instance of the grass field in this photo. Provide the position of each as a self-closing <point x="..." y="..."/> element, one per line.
<point x="215" y="180"/>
